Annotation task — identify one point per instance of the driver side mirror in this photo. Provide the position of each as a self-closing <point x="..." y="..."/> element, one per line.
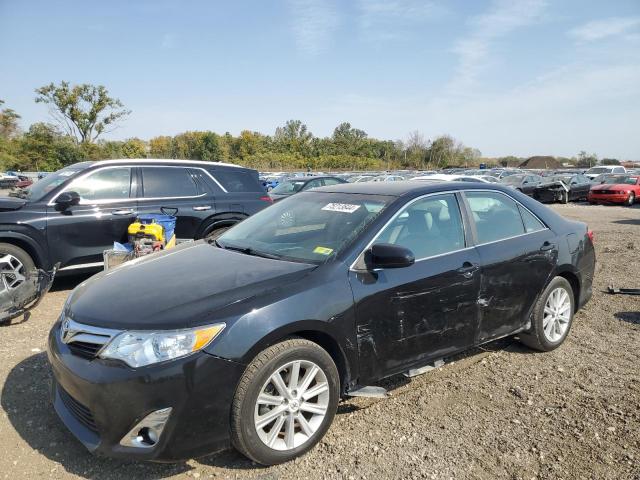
<point x="68" y="199"/>
<point x="387" y="255"/>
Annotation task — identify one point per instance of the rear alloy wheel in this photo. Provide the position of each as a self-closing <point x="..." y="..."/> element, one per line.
<point x="285" y="402"/>
<point x="630" y="199"/>
<point x="552" y="317"/>
<point x="15" y="267"/>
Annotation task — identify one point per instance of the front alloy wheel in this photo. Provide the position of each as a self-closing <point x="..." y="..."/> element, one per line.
<point x="284" y="402"/>
<point x="12" y="272"/>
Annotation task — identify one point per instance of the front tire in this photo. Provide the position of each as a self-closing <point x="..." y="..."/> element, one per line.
<point x="631" y="199"/>
<point x="16" y="266"/>
<point x="552" y="317"/>
<point x="284" y="402"/>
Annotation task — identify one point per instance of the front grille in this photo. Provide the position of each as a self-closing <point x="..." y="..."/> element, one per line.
<point x="85" y="340"/>
<point x="85" y="349"/>
<point x="78" y="410"/>
<point x="603" y="192"/>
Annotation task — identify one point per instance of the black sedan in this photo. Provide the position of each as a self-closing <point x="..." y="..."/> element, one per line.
<point x="563" y="188"/>
<point x="252" y="339"/>
<point x="296" y="185"/>
<point x="525" y="183"/>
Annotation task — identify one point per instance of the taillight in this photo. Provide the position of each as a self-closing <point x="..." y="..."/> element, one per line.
<point x="266" y="198"/>
<point x="590" y="235"/>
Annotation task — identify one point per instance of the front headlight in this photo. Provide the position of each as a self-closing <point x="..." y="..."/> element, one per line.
<point x="140" y="348"/>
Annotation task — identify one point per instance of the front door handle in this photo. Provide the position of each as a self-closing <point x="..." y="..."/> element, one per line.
<point x="547" y="246"/>
<point x="468" y="269"/>
<point x="122" y="212"/>
<point x="202" y="207"/>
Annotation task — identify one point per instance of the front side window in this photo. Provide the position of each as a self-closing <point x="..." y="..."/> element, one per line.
<point x="311" y="227"/>
<point x="496" y="216"/>
<point x="331" y="181"/>
<point x="106" y="184"/>
<point x="428" y="227"/>
<point x="288" y="187"/>
<point x="313" y="184"/>
<point x="167" y="182"/>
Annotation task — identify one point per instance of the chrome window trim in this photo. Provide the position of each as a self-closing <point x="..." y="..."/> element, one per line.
<point x="398" y="213"/>
<point x="107" y="201"/>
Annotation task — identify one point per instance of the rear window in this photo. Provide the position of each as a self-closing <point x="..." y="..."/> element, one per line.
<point x="168" y="182"/>
<point x="237" y="181"/>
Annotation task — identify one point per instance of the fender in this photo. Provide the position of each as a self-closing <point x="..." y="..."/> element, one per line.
<point x="28" y="243"/>
<point x="219" y="220"/>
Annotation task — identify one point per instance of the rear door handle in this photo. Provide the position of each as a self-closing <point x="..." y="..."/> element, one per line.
<point x="202" y="207"/>
<point x="468" y="269"/>
<point x="547" y="246"/>
<point x="122" y="212"/>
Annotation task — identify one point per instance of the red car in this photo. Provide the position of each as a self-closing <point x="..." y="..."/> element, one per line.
<point x="616" y="189"/>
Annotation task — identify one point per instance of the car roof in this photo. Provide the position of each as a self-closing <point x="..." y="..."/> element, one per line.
<point x="407" y="187"/>
<point x="168" y="161"/>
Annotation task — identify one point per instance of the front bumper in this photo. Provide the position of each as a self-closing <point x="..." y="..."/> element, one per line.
<point x="608" y="197"/>
<point x="100" y="401"/>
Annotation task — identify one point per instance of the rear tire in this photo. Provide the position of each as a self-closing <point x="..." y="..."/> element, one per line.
<point x="272" y="423"/>
<point x="16" y="266"/>
<point x="216" y="232"/>
<point x="551" y="318"/>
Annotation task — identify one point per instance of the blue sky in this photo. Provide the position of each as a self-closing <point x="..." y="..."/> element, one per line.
<point x="516" y="77"/>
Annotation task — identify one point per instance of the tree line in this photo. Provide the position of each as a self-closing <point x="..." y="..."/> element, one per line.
<point x="83" y="113"/>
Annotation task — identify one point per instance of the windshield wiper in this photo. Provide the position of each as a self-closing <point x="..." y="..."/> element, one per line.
<point x="250" y="251"/>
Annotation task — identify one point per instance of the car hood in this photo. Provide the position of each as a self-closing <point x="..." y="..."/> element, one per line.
<point x="177" y="288"/>
<point x="11" y="203"/>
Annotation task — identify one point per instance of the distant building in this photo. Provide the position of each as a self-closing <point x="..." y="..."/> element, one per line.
<point x="541" y="161"/>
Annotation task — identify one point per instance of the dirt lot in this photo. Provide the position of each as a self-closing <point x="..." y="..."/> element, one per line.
<point x="499" y="412"/>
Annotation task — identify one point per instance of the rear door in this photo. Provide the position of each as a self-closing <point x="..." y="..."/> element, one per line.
<point x="518" y="254"/>
<point x="78" y="235"/>
<point x="175" y="190"/>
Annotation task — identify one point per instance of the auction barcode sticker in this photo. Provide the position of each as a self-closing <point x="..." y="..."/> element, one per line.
<point x="341" y="207"/>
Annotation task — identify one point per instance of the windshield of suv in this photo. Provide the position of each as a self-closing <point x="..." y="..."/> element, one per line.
<point x="289" y="187"/>
<point x="43" y="186"/>
<point x="620" y="180"/>
<point x="599" y="170"/>
<point x="309" y="228"/>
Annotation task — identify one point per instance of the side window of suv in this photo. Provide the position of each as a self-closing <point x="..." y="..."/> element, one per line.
<point x="167" y="182"/>
<point x="496" y="216"/>
<point x="105" y="184"/>
<point x="237" y="180"/>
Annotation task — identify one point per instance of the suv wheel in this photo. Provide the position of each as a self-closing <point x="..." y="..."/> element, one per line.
<point x="216" y="232"/>
<point x="15" y="266"/>
<point x="552" y="317"/>
<point x="285" y="402"/>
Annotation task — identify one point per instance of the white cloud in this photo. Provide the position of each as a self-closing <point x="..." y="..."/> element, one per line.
<point x="474" y="50"/>
<point x="313" y="24"/>
<point x="387" y="19"/>
<point x="608" y="27"/>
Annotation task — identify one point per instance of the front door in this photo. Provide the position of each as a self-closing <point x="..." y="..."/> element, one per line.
<point x="407" y="316"/>
<point x="78" y="235"/>
<point x="517" y="255"/>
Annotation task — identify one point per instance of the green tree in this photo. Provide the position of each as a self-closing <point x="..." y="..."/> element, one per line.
<point x="8" y="122"/>
<point x="294" y="137"/>
<point x="84" y="111"/>
<point x="586" y="160"/>
<point x="134" y="148"/>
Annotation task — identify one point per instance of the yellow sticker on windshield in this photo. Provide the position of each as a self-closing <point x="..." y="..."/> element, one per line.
<point x="323" y="250"/>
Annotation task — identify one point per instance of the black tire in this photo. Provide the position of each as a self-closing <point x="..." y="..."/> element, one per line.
<point x="631" y="199"/>
<point x="28" y="266"/>
<point x="565" y="197"/>
<point x="535" y="338"/>
<point x="216" y="232"/>
<point x="244" y="435"/>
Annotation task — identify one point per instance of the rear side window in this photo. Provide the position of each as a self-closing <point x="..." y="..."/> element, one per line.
<point x="167" y="182"/>
<point x="237" y="181"/>
<point x="496" y="216"/>
<point x="531" y="222"/>
<point x="331" y="181"/>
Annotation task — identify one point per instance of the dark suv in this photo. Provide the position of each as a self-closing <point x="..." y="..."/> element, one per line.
<point x="73" y="215"/>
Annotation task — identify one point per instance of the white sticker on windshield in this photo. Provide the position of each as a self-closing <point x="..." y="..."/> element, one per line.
<point x="341" y="207"/>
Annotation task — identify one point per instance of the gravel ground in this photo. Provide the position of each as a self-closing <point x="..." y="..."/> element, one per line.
<point x="502" y="411"/>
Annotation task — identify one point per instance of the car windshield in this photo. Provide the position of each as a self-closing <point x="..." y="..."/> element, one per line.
<point x="291" y="186"/>
<point x="599" y="170"/>
<point x="620" y="180"/>
<point x="309" y="228"/>
<point x="43" y="186"/>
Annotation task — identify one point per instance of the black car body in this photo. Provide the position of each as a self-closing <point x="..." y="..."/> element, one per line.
<point x="292" y="186"/>
<point x="53" y="225"/>
<point x="562" y="188"/>
<point x="480" y="257"/>
<point x="525" y="183"/>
